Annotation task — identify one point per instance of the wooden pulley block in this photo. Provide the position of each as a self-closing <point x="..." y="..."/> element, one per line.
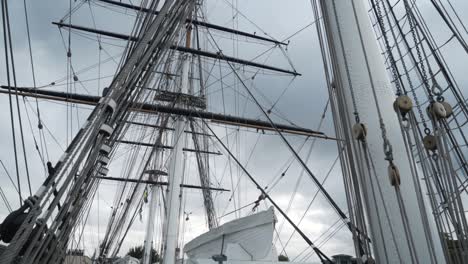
<point x="403" y="103"/>
<point x="437" y="110"/>
<point x="394" y="175"/>
<point x="448" y="109"/>
<point x="430" y="142"/>
<point x="359" y="131"/>
<point x="370" y="260"/>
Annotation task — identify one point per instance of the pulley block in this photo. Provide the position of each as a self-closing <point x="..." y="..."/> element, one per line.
<point x="403" y="103"/>
<point x="437" y="110"/>
<point x="359" y="131"/>
<point x="394" y="175"/>
<point x="430" y="142"/>
<point x="448" y="108"/>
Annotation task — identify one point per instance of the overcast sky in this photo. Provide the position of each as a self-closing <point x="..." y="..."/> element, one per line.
<point x="300" y="100"/>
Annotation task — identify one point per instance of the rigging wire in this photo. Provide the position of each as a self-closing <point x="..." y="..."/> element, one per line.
<point x="368" y="157"/>
<point x="425" y="59"/>
<point x="227" y="139"/>
<point x="73" y="10"/>
<point x="85" y="139"/>
<point x="57" y="82"/>
<point x="387" y="147"/>
<point x="313" y="177"/>
<point x="457" y="16"/>
<point x="338" y="221"/>
<point x="41" y="157"/>
<point x="247" y="98"/>
<point x="249" y="20"/>
<point x="319" y="253"/>
<point x="296" y="187"/>
<point x="269" y="50"/>
<point x="313" y="198"/>
<point x="48" y="130"/>
<point x="450" y="24"/>
<point x="430" y="41"/>
<point x="235" y="188"/>
<point x="11" y="179"/>
<point x="452" y="85"/>
<point x="5" y="200"/>
<point x="8" y="57"/>
<point x="43" y="144"/>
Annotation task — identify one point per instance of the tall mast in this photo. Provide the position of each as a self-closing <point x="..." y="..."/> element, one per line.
<point x="177" y="166"/>
<point x="153" y="195"/>
<point x="359" y="72"/>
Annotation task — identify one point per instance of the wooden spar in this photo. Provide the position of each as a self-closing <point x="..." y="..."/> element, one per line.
<point x="199" y="23"/>
<point x="182" y="49"/>
<point x="155" y="108"/>
<point x="144" y="144"/>
<point x="159" y="183"/>
<point x="166" y="128"/>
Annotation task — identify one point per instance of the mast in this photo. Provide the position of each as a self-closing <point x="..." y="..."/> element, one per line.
<point x="174" y="193"/>
<point x="177" y="167"/>
<point x="395" y="215"/>
<point x="150" y="224"/>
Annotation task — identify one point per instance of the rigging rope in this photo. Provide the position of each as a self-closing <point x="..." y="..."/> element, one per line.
<point x="5" y="200"/>
<point x="320" y="254"/>
<point x="312" y="201"/>
<point x="9" y="62"/>
<point x="43" y="144"/>
<point x="387" y="145"/>
<point x="296" y="187"/>
<point x="329" y="199"/>
<point x="11" y="180"/>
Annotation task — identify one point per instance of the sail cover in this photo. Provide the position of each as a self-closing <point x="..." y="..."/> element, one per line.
<point x="247" y="238"/>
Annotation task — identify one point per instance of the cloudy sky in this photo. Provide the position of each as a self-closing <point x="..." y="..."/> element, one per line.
<point x="299" y="100"/>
